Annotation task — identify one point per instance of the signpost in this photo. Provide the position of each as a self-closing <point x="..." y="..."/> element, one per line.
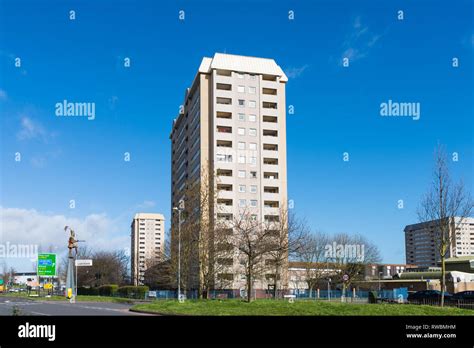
<point x="82" y="263"/>
<point x="345" y="278"/>
<point x="46" y="265"/>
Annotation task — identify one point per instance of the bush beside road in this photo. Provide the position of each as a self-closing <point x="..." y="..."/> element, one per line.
<point x="284" y="308"/>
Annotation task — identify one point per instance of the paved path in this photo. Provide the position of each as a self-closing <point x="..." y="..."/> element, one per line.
<point x="38" y="307"/>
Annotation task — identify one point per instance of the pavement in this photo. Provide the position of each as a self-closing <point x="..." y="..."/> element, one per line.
<point x="48" y="308"/>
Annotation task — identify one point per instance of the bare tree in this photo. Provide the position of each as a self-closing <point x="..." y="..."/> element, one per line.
<point x="108" y="267"/>
<point x="287" y="238"/>
<point x="183" y="247"/>
<point x="444" y="206"/>
<point x="252" y="241"/>
<point x="203" y="258"/>
<point x="349" y="255"/>
<point x="159" y="276"/>
<point x="312" y="258"/>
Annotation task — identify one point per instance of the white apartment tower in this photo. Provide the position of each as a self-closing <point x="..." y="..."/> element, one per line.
<point x="148" y="239"/>
<point x="233" y="122"/>
<point x="420" y="246"/>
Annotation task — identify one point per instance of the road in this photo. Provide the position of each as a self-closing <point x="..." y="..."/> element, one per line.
<point x="47" y="308"/>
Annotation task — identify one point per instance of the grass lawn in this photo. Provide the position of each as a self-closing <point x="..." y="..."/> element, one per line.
<point x="80" y="298"/>
<point x="280" y="307"/>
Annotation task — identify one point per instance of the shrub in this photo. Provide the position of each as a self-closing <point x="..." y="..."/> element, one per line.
<point x="108" y="290"/>
<point x="372" y="296"/>
<point x="133" y="291"/>
<point x="87" y="291"/>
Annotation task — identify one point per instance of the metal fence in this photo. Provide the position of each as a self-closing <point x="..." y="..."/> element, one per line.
<point x="464" y="304"/>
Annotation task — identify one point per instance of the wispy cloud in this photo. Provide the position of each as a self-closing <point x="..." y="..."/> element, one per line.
<point x="31" y="129"/>
<point x="294" y="72"/>
<point x="468" y="41"/>
<point x="146" y="204"/>
<point x="113" y="100"/>
<point x="3" y="95"/>
<point x="40" y="160"/>
<point x="359" y="41"/>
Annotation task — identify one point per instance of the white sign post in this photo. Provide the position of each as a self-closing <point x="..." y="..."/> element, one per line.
<point x="82" y="263"/>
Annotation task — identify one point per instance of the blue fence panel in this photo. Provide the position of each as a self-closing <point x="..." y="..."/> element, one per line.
<point x="325" y="294"/>
<point x="397" y="294"/>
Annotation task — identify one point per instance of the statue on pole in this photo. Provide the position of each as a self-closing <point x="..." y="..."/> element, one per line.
<point x="72" y="244"/>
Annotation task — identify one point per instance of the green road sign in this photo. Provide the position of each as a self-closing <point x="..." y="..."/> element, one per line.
<point x="1" y="281"/>
<point x="47" y="265"/>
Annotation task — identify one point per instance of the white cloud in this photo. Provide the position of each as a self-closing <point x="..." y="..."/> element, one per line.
<point x="29" y="226"/>
<point x="146" y="204"/>
<point x="30" y="129"/>
<point x="294" y="72"/>
<point x="359" y="41"/>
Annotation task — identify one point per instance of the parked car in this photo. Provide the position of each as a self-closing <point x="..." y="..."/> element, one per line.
<point x="428" y="295"/>
<point x="464" y="295"/>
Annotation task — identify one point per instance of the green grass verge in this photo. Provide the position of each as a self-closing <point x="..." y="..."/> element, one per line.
<point x="80" y="298"/>
<point x="299" y="308"/>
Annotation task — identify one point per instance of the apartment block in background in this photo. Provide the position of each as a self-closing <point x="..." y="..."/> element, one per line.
<point x="233" y="124"/>
<point x="420" y="245"/>
<point x="148" y="239"/>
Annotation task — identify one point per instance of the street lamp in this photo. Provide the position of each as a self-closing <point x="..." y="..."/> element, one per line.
<point x="380" y="273"/>
<point x="329" y="289"/>
<point x="179" y="209"/>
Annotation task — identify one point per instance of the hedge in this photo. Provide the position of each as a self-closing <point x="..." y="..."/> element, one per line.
<point x="108" y="290"/>
<point x="87" y="291"/>
<point x="132" y="291"/>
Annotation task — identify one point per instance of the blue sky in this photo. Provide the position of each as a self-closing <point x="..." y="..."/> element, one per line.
<point x="336" y="107"/>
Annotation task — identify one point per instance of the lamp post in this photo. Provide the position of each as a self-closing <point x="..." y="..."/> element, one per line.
<point x="380" y="273"/>
<point x="329" y="289"/>
<point x="179" y="209"/>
